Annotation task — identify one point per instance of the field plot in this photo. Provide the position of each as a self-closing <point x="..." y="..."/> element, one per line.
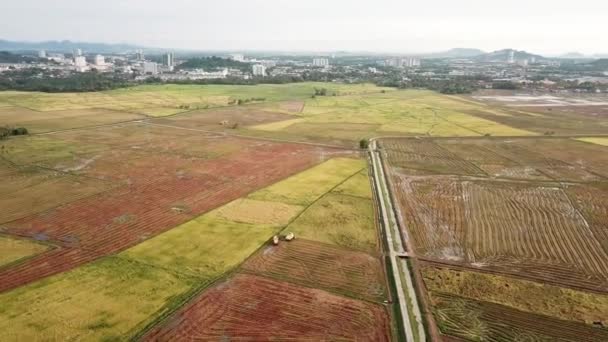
<point x="31" y="190"/>
<point x="323" y="266"/>
<point x="523" y="159"/>
<point x="346" y="119"/>
<point x="171" y="96"/>
<point x="105" y="300"/>
<point x="225" y="118"/>
<point x="217" y="241"/>
<point x="599" y="141"/>
<point x="527" y="296"/>
<point x="44" y="121"/>
<point x="512" y="227"/>
<point x="341" y="220"/>
<point x="248" y="307"/>
<point x="297" y="190"/>
<point x="116" y="297"/>
<point x="484" y="321"/>
<point x="152" y="191"/>
<point x="528" y="213"/>
<point x="12" y="250"/>
<point x="204" y="247"/>
<point x="567" y="114"/>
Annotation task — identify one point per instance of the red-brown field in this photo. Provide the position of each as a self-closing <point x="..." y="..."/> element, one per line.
<point x="252" y="308"/>
<point x="324" y="266"/>
<point x="153" y="192"/>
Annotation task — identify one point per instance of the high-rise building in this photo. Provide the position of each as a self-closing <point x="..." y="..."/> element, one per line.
<point x="77" y="53"/>
<point x="42" y="54"/>
<point x="320" y="62"/>
<point x="237" y="57"/>
<point x="409" y="62"/>
<point x="511" y="58"/>
<point x="80" y="61"/>
<point x="99" y="60"/>
<point x="139" y="55"/>
<point x="259" y="70"/>
<point x="150" y="68"/>
<point x="169" y="59"/>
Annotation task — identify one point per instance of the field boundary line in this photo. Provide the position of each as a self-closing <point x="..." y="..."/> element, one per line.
<point x="305" y="208"/>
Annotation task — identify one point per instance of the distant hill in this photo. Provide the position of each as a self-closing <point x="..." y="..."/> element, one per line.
<point x="7" y="57"/>
<point x="601" y="63"/>
<point x="456" y="53"/>
<point x="503" y="56"/>
<point x="65" y="46"/>
<point x="573" y="55"/>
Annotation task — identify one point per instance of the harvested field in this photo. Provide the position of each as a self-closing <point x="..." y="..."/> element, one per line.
<point x="511" y="227"/>
<point x="12" y="250"/>
<point x="33" y="191"/>
<point x="592" y="203"/>
<point x="425" y="155"/>
<point x="550" y="119"/>
<point x="171" y="96"/>
<point x="322" y="266"/>
<point x="248" y="307"/>
<point x="435" y="216"/>
<point x="155" y="193"/>
<point x="529" y="225"/>
<point x="45" y="121"/>
<point x="523" y="295"/>
<point x="527" y="159"/>
<point x="110" y="299"/>
<point x="224" y="118"/>
<point x="479" y="321"/>
<point x="292" y="106"/>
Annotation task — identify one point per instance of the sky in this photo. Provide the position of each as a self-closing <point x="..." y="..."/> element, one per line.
<point x="403" y="26"/>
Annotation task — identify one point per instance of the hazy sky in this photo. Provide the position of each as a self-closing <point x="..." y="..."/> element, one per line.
<point x="542" y="26"/>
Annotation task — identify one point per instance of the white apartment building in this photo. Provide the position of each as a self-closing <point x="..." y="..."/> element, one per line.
<point x="259" y="70"/>
<point x="99" y="60"/>
<point x="150" y="68"/>
<point x="320" y="62"/>
<point x="237" y="57"/>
